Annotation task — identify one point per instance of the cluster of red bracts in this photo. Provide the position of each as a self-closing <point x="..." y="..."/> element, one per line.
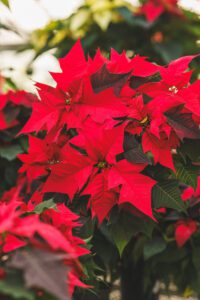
<point x="101" y="100"/>
<point x="78" y="143"/>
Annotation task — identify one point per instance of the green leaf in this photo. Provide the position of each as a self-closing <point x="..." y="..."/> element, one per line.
<point x="133" y="152"/>
<point x="104" y="246"/>
<point x="13" y="287"/>
<point x="5" y="2"/>
<point x="79" y="19"/>
<point x="187" y="174"/>
<point x="133" y="20"/>
<point x="45" y="205"/>
<point x="153" y="247"/>
<point x="121" y="237"/>
<point x="128" y="226"/>
<point x="172" y="255"/>
<point x="191" y="149"/>
<point x="138" y="248"/>
<point x="196" y="258"/>
<point x="9" y="85"/>
<point x="167" y="194"/>
<point x="169" y="51"/>
<point x="103" y="19"/>
<point x="10" y="152"/>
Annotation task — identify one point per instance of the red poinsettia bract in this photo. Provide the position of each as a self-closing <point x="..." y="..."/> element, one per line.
<point x="152" y="9"/>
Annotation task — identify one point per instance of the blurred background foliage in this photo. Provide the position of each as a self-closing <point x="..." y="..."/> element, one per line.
<point x="115" y="23"/>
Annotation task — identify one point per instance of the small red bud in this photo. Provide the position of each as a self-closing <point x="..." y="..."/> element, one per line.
<point x="158" y="37"/>
<point x="40" y="293"/>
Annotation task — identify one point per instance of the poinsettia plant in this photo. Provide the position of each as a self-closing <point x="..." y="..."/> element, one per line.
<point x="116" y="144"/>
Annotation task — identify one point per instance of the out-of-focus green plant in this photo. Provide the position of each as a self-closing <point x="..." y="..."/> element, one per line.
<point x="93" y="15"/>
<point x="115" y="23"/>
<point x="5" y="2"/>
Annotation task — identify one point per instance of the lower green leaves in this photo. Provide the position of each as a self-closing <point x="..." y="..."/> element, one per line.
<point x="153" y="247"/>
<point x="167" y="194"/>
<point x="12" y="286"/>
<point x="187" y="174"/>
<point x="128" y="226"/>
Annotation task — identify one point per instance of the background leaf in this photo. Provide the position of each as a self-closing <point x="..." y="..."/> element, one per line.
<point x="167" y="194"/>
<point x="10" y="152"/>
<point x="45" y="205"/>
<point x="153" y="247"/>
<point x="191" y="149"/>
<point x="5" y="2"/>
<point x="133" y="151"/>
<point x="187" y="173"/>
<point x="127" y="226"/>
